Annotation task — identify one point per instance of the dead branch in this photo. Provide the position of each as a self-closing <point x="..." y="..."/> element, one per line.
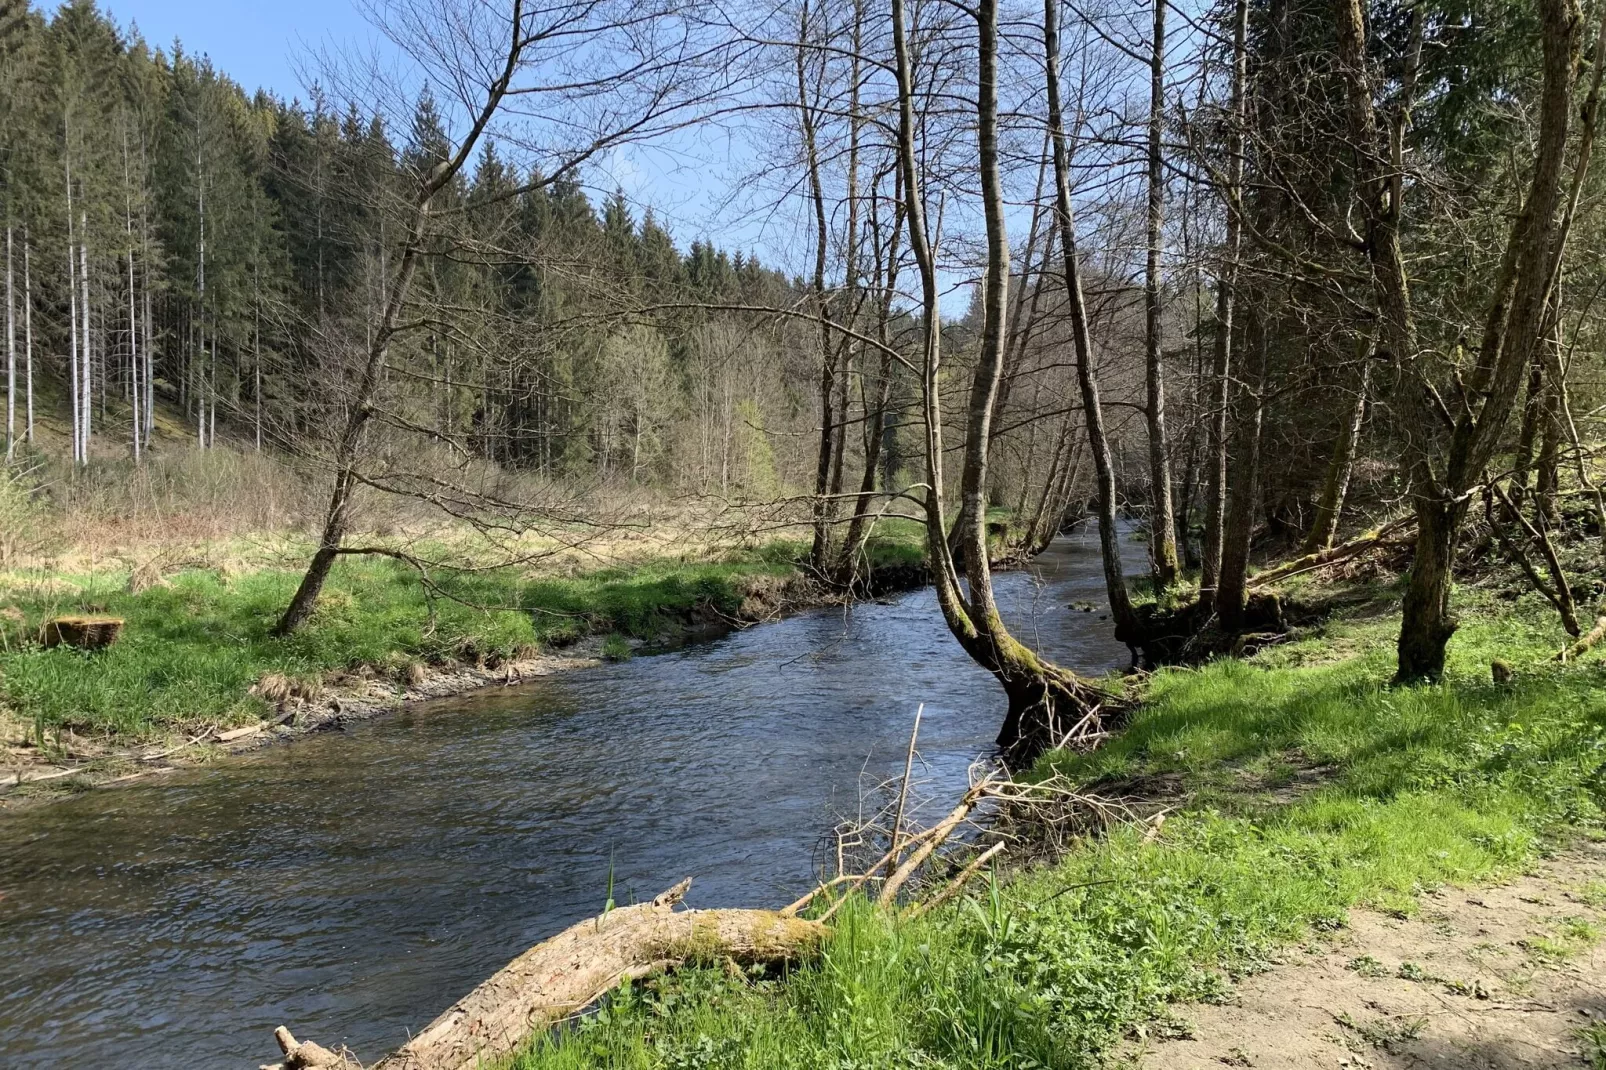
<point x="1584" y="645"/>
<point x="933" y="840"/>
<point x="903" y="792"/>
<point x="1342" y="552"/>
<point x="952" y="887"/>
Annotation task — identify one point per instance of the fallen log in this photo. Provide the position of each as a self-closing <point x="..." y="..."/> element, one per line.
<point x="560" y="977"/>
<point x="1332" y="556"/>
<point x="1585" y="644"/>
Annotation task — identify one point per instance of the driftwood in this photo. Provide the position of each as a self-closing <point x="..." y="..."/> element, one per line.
<point x="306" y="1056"/>
<point x="1342" y="552"/>
<point x="933" y="840"/>
<point x="87" y="633"/>
<point x="560" y="977"/>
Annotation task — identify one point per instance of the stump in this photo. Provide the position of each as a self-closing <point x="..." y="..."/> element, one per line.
<point x="85" y="633"/>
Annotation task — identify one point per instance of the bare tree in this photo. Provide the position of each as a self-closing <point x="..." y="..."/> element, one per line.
<point x="1162" y="519"/>
<point x="583" y="77"/>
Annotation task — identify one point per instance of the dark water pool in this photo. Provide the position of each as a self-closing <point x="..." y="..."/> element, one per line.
<point x="354" y="884"/>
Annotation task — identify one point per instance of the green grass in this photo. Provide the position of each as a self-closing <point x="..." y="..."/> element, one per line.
<point x="1404" y="790"/>
<point x="1592" y="1038"/>
<point x="192" y="648"/>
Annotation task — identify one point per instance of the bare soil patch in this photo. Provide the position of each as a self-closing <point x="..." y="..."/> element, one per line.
<point x="1483" y="979"/>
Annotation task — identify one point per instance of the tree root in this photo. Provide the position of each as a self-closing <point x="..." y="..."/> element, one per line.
<point x="1049" y="709"/>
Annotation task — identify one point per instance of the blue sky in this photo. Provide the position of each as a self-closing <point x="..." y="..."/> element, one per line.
<point x="253" y="42"/>
<point x="257" y="44"/>
<point x="685" y="181"/>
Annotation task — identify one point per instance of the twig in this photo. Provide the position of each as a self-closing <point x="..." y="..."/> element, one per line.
<point x="903" y="792"/>
<point x="958" y="882"/>
<point x="934" y="840"/>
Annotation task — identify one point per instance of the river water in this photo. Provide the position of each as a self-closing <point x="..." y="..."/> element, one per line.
<point x="354" y="884"/>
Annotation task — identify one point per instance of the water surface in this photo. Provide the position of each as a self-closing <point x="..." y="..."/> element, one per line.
<point x="353" y="885"/>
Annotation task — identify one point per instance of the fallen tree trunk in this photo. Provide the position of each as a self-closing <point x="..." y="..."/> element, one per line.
<point x="1343" y="552"/>
<point x="1585" y="644"/>
<point x="562" y="976"/>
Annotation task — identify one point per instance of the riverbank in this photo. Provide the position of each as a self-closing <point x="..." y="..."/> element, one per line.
<point x="196" y="673"/>
<point x="1298" y="786"/>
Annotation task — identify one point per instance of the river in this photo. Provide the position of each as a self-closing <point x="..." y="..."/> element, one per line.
<point x="354" y="884"/>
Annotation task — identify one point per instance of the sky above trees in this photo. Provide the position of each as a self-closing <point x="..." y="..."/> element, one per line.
<point x="256" y="43"/>
<point x="276" y="46"/>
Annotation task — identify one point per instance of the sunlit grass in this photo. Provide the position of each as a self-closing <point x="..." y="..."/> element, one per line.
<point x="1402" y="789"/>
<point x="194" y="644"/>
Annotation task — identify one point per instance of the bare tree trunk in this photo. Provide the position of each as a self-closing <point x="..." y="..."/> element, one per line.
<point x="851" y="294"/>
<point x="72" y="326"/>
<point x="11" y="353"/>
<point x="1226" y="296"/>
<point x="85" y="379"/>
<point x="27" y="325"/>
<point x="1528" y="430"/>
<point x="256" y="354"/>
<point x="133" y="357"/>
<point x="823" y="510"/>
<point x="1126" y="624"/>
<point x="1233" y="583"/>
<point x="150" y="362"/>
<point x="1330" y="508"/>
<point x="886" y="277"/>
<point x="1162" y="520"/>
<point x="337" y="519"/>
<point x="1547" y="469"/>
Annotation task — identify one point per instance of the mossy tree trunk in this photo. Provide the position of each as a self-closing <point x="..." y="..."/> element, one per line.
<point x="1446" y="467"/>
<point x="1044" y="700"/>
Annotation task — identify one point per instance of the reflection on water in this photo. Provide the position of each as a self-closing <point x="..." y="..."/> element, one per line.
<point x="356" y="883"/>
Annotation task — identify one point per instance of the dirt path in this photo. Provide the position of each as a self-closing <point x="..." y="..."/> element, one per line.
<point x="1486" y="979"/>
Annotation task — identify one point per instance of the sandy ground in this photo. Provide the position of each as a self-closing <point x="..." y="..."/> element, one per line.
<point x="1486" y="979"/>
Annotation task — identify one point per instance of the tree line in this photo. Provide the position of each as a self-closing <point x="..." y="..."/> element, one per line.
<point x="1249" y="271"/>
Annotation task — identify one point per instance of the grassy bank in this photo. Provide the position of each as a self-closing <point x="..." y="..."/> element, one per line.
<point x="1303" y="786"/>
<point x="197" y="639"/>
